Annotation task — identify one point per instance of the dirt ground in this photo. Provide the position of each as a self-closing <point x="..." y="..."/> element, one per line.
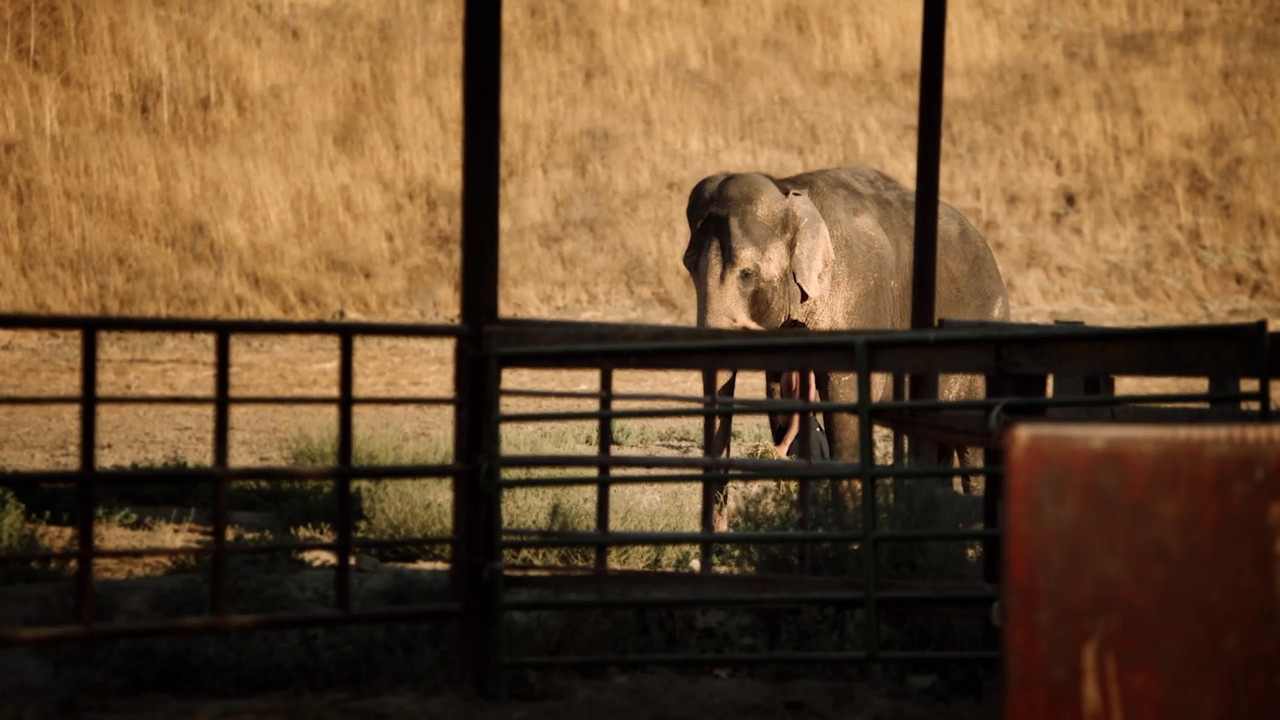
<point x="138" y="365"/>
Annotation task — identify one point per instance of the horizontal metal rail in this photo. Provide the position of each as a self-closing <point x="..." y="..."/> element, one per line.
<point x="207" y="625"/>
<point x="512" y="334"/>
<point x="753" y="600"/>
<point x="617" y="396"/>
<point x="1168" y="351"/>
<point x="815" y="470"/>
<point x="175" y="476"/>
<point x="229" y="549"/>
<point x="890" y="406"/>
<point x="573" y="538"/>
<point x="207" y="400"/>
<point x="112" y="323"/>
<point x="510" y="343"/>
<point x="744" y="659"/>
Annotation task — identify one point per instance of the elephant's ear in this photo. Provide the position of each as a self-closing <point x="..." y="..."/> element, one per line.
<point x="812" y="253"/>
<point x="699" y="204"/>
<point x="700" y="199"/>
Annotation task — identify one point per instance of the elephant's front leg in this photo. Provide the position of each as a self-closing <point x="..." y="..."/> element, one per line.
<point x="842" y="434"/>
<point x="716" y="492"/>
<point x="773" y="391"/>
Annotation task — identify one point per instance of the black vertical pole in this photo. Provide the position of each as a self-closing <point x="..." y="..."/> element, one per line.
<point x="603" y="471"/>
<point x="928" y="157"/>
<point x="221" y="486"/>
<point x="342" y="486"/>
<point x="86" y="490"/>
<point x="475" y="560"/>
<point x="709" y="489"/>
<point x="923" y="386"/>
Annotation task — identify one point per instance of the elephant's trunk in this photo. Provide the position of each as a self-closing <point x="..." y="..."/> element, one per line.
<point x="719" y="385"/>
<point x="725" y="381"/>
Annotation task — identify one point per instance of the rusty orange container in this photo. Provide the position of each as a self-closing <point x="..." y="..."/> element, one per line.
<point x="1142" y="572"/>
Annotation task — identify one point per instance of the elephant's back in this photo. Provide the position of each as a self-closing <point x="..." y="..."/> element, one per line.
<point x="969" y="283"/>
<point x="854" y="190"/>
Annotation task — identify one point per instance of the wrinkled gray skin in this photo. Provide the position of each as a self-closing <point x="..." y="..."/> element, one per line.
<point x="828" y="250"/>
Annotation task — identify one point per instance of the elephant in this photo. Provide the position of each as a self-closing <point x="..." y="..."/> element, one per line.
<point x="828" y="250"/>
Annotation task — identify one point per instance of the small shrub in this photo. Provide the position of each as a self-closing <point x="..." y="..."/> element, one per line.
<point x="58" y="503"/>
<point x="369" y="449"/>
<point x="295" y="503"/>
<point x="18" y="537"/>
<point x="121" y="516"/>
<point x="13" y="517"/>
<point x="774" y="506"/>
<point x="402" y="509"/>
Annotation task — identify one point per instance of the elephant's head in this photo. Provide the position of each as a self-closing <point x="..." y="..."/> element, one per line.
<point x="757" y="255"/>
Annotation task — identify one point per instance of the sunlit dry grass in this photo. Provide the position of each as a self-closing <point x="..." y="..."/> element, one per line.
<point x="301" y="157"/>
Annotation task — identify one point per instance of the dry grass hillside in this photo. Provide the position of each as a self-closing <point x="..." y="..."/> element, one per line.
<point x="300" y="157"/>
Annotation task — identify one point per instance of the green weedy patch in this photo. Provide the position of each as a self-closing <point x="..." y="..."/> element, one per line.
<point x="18" y="536"/>
<point x="56" y="503"/>
<point x="13" y="517"/>
<point x="414" y="508"/>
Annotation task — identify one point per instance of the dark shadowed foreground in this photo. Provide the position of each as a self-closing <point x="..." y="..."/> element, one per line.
<point x="656" y="695"/>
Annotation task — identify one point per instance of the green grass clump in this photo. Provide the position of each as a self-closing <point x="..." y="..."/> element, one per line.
<point x="13" y="516"/>
<point x="18" y="536"/>
<point x="57" y="503"/>
<point x="417" y="508"/>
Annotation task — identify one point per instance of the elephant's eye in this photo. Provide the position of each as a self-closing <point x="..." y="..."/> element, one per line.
<point x="747" y="274"/>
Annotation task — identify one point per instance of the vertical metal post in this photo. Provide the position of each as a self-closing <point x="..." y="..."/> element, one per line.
<point x="1264" y="373"/>
<point x="928" y="156"/>
<point x="706" y="516"/>
<point x="476" y="553"/>
<point x="85" y="490"/>
<point x="866" y="459"/>
<point x="603" y="470"/>
<point x="490" y="475"/>
<point x="221" y="486"/>
<point x="342" y="485"/>
<point x="1221" y="384"/>
<point x="998" y="386"/>
<point x="924" y="269"/>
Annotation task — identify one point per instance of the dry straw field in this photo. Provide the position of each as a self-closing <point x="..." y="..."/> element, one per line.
<point x="300" y="158"/>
